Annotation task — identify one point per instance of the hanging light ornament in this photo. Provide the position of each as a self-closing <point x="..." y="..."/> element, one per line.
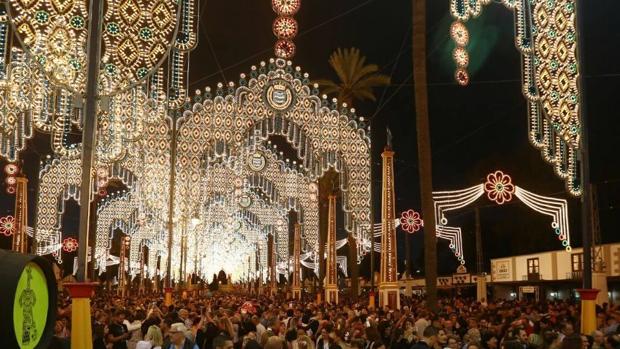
<point x="460" y="36"/>
<point x="7" y="225"/>
<point x="286" y="7"/>
<point x="545" y="35"/>
<point x="410" y="221"/>
<point x="499" y="187"/>
<point x="285" y="27"/>
<point x="11" y="171"/>
<point x="69" y="245"/>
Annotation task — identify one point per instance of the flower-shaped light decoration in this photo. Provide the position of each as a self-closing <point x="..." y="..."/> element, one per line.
<point x="69" y="245"/>
<point x="461" y="76"/>
<point x="411" y="221"/>
<point x="7" y="225"/>
<point x="285" y="49"/>
<point x="286" y="7"/>
<point x="499" y="187"/>
<point x="459" y="33"/>
<point x="285" y="28"/>
<point x="461" y="57"/>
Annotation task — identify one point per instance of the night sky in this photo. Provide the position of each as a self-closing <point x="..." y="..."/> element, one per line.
<point x="475" y="129"/>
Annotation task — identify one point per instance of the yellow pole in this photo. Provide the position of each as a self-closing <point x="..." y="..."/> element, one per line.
<point x="168" y="296"/>
<point x="81" y="331"/>
<point x="588" y="310"/>
<point x="371" y="300"/>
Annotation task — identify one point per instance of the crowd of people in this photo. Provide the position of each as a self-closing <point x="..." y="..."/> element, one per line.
<point x="229" y="321"/>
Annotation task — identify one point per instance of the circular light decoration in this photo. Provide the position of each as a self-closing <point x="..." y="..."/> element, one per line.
<point x="245" y="201"/>
<point x="7" y="225"/>
<point x="257" y="161"/>
<point x="411" y="221"/>
<point x="102" y="172"/>
<point x="285" y="28"/>
<point x="499" y="187"/>
<point x="313" y="187"/>
<point x="459" y="33"/>
<point x="11" y="169"/>
<point x="10" y="190"/>
<point x="69" y="245"/>
<point x="461" y="76"/>
<point x="286" y="7"/>
<point x="10" y="180"/>
<point x="284" y="49"/>
<point x="236" y="225"/>
<point x="461" y="57"/>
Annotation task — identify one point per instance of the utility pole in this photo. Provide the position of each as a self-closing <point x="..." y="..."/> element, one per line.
<point x="424" y="150"/>
<point x="173" y="161"/>
<point x="372" y="217"/>
<point x="588" y="295"/>
<point x="89" y="129"/>
<point x="479" y="258"/>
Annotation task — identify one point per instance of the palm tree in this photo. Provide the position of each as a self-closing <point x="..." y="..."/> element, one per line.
<point x="424" y="150"/>
<point x="357" y="79"/>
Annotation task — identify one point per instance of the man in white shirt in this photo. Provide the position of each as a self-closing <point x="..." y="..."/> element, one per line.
<point x="260" y="328"/>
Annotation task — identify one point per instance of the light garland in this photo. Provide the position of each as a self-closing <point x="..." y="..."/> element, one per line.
<point x="499" y="189"/>
<point x="546" y="36"/>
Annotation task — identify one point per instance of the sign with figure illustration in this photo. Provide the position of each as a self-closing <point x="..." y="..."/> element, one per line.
<point x="501" y="270"/>
<point x="30" y="306"/>
<point x="29" y="294"/>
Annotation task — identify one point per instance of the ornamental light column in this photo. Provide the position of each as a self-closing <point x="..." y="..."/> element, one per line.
<point x="388" y="283"/>
<point x="272" y="264"/>
<point x="20" y="241"/>
<point x="331" y="276"/>
<point x="297" y="262"/>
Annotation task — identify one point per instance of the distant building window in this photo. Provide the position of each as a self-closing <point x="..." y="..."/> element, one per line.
<point x="577" y="261"/>
<point x="533" y="266"/>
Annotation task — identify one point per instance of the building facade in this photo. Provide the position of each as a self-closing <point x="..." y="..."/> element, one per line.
<point x="555" y="274"/>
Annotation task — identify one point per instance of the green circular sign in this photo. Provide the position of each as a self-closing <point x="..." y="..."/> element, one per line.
<point x="30" y="306"/>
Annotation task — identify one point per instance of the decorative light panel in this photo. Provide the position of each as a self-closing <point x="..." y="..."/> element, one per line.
<point x="136" y="36"/>
<point x="546" y="36"/>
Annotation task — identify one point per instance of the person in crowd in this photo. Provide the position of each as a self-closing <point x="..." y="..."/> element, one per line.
<point x="598" y="340"/>
<point x="429" y="338"/>
<point x="118" y="333"/>
<point x="153" y="339"/>
<point x="179" y="337"/>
